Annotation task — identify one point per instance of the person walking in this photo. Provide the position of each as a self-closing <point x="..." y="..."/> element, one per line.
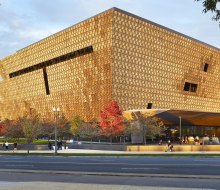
<point x="61" y="144"/>
<point x="169" y="146"/>
<point x="49" y="145"/>
<point x="3" y="146"/>
<point x="64" y="144"/>
<point x="15" y="146"/>
<point x="6" y="145"/>
<point x="160" y="142"/>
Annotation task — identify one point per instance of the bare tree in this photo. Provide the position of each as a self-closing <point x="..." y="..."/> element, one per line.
<point x="46" y="129"/>
<point x="31" y="127"/>
<point x="90" y="130"/>
<point x="63" y="127"/>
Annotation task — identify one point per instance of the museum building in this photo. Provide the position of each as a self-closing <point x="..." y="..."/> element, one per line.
<point x="114" y="55"/>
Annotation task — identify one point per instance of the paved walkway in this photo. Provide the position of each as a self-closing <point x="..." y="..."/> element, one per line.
<point x="86" y="151"/>
<point x="78" y="186"/>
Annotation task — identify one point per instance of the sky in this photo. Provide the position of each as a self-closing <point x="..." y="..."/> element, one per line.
<point x="23" y="22"/>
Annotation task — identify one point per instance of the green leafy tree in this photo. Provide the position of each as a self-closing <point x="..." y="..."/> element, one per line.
<point x="75" y="123"/>
<point x="147" y="125"/>
<point x="211" y="6"/>
<point x="153" y="127"/>
<point x="127" y="127"/>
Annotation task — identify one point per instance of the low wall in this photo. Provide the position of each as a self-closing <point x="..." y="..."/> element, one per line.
<point x="130" y="148"/>
<point x="177" y="148"/>
<point x="98" y="147"/>
<point x="24" y="147"/>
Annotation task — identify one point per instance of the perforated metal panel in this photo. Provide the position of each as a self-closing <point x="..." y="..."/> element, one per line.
<point x="133" y="61"/>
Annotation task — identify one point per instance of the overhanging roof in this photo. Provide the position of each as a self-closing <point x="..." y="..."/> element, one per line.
<point x="188" y="118"/>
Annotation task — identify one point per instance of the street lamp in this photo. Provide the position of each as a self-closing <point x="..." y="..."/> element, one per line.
<point x="56" y="111"/>
<point x="180" y="127"/>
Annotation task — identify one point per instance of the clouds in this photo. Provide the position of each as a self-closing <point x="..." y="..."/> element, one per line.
<point x="24" y="22"/>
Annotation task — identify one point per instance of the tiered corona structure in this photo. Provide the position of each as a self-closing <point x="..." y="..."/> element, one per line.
<point x="156" y="67"/>
<point x="70" y="69"/>
<point x="113" y="55"/>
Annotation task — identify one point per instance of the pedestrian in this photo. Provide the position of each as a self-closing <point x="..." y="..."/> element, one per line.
<point x="169" y="146"/>
<point x="15" y="146"/>
<point x="3" y="146"/>
<point x="182" y="140"/>
<point x="49" y="145"/>
<point x="186" y="140"/>
<point x="160" y="142"/>
<point x="58" y="145"/>
<point x="64" y="144"/>
<point x="61" y="144"/>
<point x="196" y="140"/>
<point x="6" y="145"/>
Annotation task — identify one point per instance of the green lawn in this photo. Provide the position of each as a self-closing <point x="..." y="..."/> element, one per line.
<point x="23" y="141"/>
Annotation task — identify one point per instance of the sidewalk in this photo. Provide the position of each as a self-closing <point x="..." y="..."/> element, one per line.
<point x="78" y="186"/>
<point x="86" y="152"/>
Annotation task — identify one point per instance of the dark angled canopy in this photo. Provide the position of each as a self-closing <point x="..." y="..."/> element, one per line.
<point x="188" y="118"/>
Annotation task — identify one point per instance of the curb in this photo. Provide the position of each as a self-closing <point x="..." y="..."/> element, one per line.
<point x="147" y="154"/>
<point x="111" y="174"/>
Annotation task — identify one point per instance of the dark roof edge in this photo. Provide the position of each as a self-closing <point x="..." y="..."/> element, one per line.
<point x="163" y="27"/>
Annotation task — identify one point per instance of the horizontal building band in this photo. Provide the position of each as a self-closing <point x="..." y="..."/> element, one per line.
<point x="53" y="61"/>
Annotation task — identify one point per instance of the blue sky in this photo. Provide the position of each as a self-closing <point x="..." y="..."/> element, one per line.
<point x="23" y="22"/>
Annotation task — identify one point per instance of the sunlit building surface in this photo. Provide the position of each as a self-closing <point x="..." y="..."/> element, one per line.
<point x="113" y="55"/>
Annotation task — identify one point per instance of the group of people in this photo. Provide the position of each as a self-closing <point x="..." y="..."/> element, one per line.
<point x="59" y="145"/>
<point x="5" y="146"/>
<point x="184" y="140"/>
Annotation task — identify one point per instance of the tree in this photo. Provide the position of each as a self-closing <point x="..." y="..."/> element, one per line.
<point x="127" y="127"/>
<point x="211" y="5"/>
<point x="2" y="128"/>
<point x="75" y="123"/>
<point x="13" y="129"/>
<point x="90" y="130"/>
<point x="153" y="127"/>
<point x="63" y="127"/>
<point x="31" y="127"/>
<point x="111" y="120"/>
<point x="147" y="125"/>
<point x="46" y="129"/>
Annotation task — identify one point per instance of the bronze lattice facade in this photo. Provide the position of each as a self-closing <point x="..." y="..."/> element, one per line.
<point x="113" y="55"/>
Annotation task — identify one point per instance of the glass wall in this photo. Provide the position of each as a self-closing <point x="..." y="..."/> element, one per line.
<point x="209" y="132"/>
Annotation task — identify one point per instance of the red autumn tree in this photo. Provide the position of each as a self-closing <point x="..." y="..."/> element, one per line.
<point x="111" y="120"/>
<point x="2" y="129"/>
<point x="12" y="129"/>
